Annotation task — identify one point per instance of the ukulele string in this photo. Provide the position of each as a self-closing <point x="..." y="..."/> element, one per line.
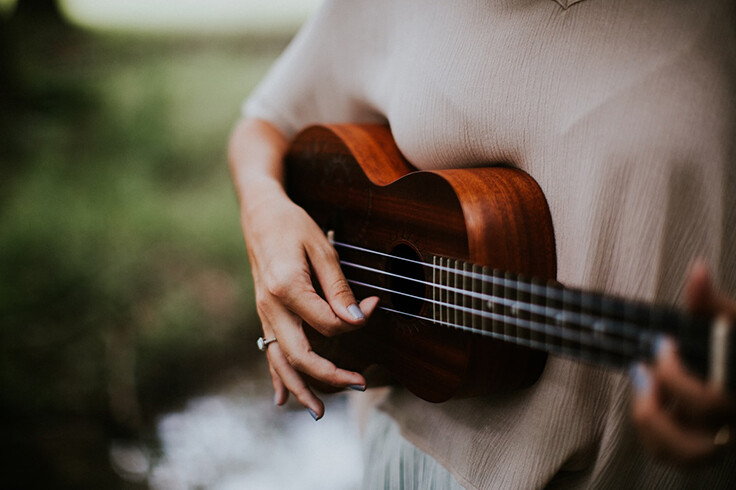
<point x="623" y="359"/>
<point x="599" y="326"/>
<point x="583" y="320"/>
<point x="621" y="347"/>
<point x="556" y="294"/>
<point x="494" y="280"/>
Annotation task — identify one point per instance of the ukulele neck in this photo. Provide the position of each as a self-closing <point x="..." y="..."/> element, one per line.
<point x="542" y="315"/>
<point x="547" y="316"/>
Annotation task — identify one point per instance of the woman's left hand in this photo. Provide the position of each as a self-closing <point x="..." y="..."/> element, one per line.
<point x="679" y="417"/>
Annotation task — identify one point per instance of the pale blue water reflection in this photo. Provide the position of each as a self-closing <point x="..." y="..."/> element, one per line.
<point x="237" y="439"/>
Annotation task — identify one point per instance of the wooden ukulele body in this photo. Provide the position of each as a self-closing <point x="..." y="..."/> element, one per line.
<point x="352" y="179"/>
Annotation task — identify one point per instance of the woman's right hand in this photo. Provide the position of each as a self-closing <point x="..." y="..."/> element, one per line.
<point x="287" y="250"/>
<point x="283" y="241"/>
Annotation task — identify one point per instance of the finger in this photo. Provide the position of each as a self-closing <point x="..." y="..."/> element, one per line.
<point x="295" y="383"/>
<point x="699" y="293"/>
<point x="307" y="307"/>
<point x="302" y="358"/>
<point x="659" y="432"/>
<point x="368" y="305"/>
<point x="326" y="265"/>
<point x="281" y="394"/>
<point x="294" y="290"/>
<point x="697" y="401"/>
<point x="293" y="342"/>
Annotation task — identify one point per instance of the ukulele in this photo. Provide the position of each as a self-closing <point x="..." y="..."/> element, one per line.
<point x="463" y="261"/>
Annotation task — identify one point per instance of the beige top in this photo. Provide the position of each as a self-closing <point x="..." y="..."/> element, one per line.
<point x="623" y="111"/>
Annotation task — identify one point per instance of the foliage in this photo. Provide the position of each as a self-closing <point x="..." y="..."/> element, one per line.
<point x="125" y="284"/>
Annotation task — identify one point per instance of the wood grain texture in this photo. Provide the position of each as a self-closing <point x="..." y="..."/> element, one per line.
<point x="352" y="179"/>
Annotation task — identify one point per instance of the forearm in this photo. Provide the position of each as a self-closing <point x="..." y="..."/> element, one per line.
<point x="255" y="154"/>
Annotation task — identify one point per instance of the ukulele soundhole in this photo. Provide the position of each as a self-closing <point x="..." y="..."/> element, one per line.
<point x="406" y="280"/>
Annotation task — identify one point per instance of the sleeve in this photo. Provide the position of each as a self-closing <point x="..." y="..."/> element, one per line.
<point x="320" y="77"/>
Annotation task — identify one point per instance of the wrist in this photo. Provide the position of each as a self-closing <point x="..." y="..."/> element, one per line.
<point x="256" y="191"/>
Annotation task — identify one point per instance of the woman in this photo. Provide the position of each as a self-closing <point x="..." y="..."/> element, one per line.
<point x="623" y="112"/>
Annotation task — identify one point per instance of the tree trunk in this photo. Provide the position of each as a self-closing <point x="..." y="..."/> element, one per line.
<point x="39" y="10"/>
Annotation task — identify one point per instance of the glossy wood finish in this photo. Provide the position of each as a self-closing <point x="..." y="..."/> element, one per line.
<point x="352" y="179"/>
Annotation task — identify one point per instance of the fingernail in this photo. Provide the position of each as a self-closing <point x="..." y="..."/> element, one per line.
<point x="313" y="414"/>
<point x="355" y="312"/>
<point x="357" y="387"/>
<point x="276" y="399"/>
<point x="641" y="379"/>
<point x="663" y="346"/>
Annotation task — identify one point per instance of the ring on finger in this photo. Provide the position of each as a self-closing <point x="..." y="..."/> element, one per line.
<point x="263" y="343"/>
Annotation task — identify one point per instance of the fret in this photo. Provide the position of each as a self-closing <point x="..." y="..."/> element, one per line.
<point x="510" y="290"/>
<point x="551" y="306"/>
<point x="449" y="295"/>
<point x="536" y="298"/>
<point x="443" y="290"/>
<point x="439" y="292"/>
<point x="633" y="314"/>
<point x="452" y="294"/>
<point x="457" y="295"/>
<point x="497" y="292"/>
<point x="476" y="302"/>
<point x="486" y="289"/>
<point x="466" y="298"/>
<point x="523" y="298"/>
<point x="570" y="308"/>
<point x="434" y="287"/>
<point x="591" y="306"/>
<point x="610" y="309"/>
<point x="659" y="318"/>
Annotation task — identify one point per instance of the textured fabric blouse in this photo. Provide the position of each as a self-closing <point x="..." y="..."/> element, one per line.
<point x="622" y="110"/>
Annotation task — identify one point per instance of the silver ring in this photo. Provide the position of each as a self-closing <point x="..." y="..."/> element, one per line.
<point x="263" y="343"/>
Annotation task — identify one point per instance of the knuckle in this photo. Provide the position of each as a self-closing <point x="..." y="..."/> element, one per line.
<point x="282" y="281"/>
<point x="295" y="360"/>
<point x="332" y="326"/>
<point x="280" y="286"/>
<point x="341" y="289"/>
<point x="331" y="376"/>
<point x="302" y="394"/>
<point x="261" y="304"/>
<point x="327" y="330"/>
<point x="327" y="253"/>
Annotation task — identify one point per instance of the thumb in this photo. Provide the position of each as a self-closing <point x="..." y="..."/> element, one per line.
<point x="699" y="293"/>
<point x="326" y="265"/>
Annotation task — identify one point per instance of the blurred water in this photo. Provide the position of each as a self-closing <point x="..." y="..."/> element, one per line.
<point x="238" y="439"/>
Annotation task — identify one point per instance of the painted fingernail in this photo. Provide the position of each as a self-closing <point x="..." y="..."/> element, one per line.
<point x="313" y="414"/>
<point x="663" y="346"/>
<point x="641" y="379"/>
<point x="355" y="312"/>
<point x="357" y="387"/>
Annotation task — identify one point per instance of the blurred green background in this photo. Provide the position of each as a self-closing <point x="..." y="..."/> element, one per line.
<point x="124" y="284"/>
